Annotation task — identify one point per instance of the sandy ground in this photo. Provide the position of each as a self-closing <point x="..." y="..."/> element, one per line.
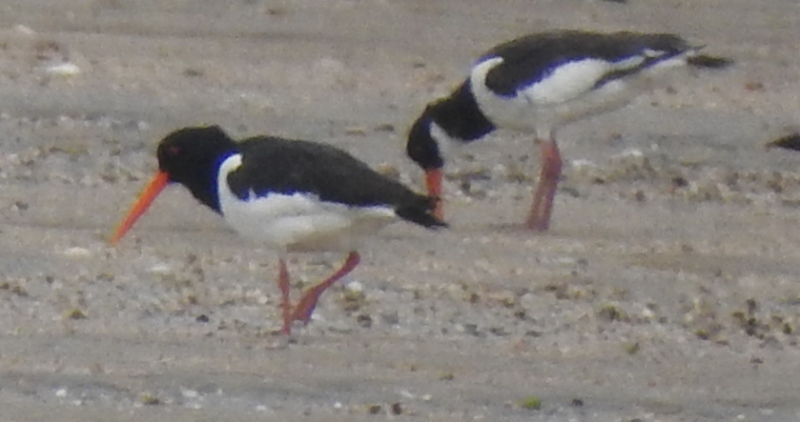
<point x="667" y="290"/>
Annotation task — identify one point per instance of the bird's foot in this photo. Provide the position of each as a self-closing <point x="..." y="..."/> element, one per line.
<point x="537" y="225"/>
<point x="305" y="308"/>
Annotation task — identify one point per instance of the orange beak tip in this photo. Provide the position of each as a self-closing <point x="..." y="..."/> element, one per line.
<point x="146" y="198"/>
<point x="114" y="239"/>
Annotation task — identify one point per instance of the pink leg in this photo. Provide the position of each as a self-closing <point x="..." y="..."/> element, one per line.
<point x="309" y="300"/>
<point x="283" y="284"/>
<point x="542" y="207"/>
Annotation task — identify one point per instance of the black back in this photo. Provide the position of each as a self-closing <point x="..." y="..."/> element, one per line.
<point x="192" y="157"/>
<point x="276" y="165"/>
<point x="528" y="59"/>
<point x="532" y="57"/>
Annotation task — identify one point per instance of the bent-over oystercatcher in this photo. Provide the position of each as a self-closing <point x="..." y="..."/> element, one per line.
<point x="540" y="82"/>
<point x="790" y="141"/>
<point x="286" y="195"/>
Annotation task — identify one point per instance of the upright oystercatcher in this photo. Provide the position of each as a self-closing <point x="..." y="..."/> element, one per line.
<point x="286" y="195"/>
<point x="540" y="82"/>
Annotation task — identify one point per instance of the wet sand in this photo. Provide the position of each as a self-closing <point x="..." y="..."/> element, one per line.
<point x="667" y="289"/>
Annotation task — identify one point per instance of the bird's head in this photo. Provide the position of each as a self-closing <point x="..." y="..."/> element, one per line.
<point x="189" y="156"/>
<point x="424" y="150"/>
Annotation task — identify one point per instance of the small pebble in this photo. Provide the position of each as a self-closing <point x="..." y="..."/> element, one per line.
<point x="364" y="320"/>
<point x="396" y="409"/>
<point x="23" y="29"/>
<point x="385" y="127"/>
<point x="189" y="394"/>
<point x="64" y="69"/>
<point x="160" y="269"/>
<point x="354" y="287"/>
<point x="149" y="399"/>
<point x="77" y="252"/>
<point x="75" y="314"/>
<point x="355" y="131"/>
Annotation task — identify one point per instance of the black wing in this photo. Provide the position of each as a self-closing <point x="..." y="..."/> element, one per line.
<point x="279" y="165"/>
<point x="531" y="58"/>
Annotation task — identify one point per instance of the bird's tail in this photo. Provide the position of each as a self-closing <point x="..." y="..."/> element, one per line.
<point x="420" y="211"/>
<point x="791" y="141"/>
<point x="709" y="62"/>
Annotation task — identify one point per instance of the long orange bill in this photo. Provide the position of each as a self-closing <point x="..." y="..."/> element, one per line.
<point x="156" y="185"/>
<point x="433" y="180"/>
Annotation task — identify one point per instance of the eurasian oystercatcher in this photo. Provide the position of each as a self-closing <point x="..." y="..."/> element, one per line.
<point x="790" y="141"/>
<point x="285" y="194"/>
<point x="540" y="82"/>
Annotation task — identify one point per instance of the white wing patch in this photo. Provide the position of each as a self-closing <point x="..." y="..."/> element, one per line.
<point x="297" y="221"/>
<point x="574" y="79"/>
<point x="567" y="82"/>
<point x="570" y="92"/>
<point x="649" y="52"/>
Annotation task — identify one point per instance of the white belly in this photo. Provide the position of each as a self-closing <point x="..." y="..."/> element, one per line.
<point x="565" y="96"/>
<point x="297" y="221"/>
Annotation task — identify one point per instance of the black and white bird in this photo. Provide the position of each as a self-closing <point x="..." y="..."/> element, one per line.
<point x="539" y="83"/>
<point x="286" y="195"/>
<point x="790" y="141"/>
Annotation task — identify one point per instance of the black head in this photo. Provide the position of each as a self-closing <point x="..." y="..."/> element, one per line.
<point x="421" y="146"/>
<point x="191" y="156"/>
<point x="458" y="117"/>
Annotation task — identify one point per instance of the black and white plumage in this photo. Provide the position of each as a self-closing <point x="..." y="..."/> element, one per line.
<point x="286" y="195"/>
<point x="790" y="142"/>
<point x="540" y="82"/>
